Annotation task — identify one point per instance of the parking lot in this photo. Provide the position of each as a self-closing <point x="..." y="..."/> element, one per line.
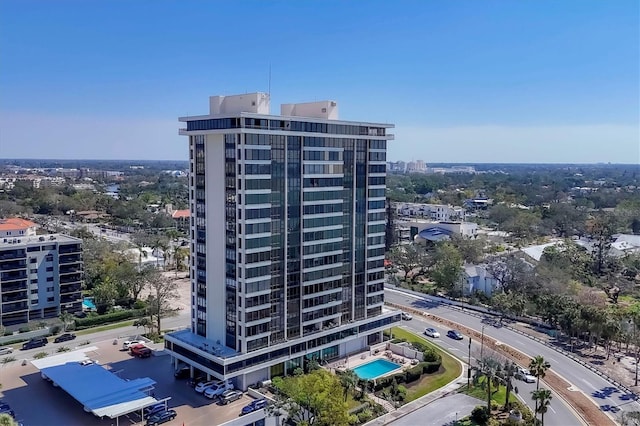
<point x="36" y="402"/>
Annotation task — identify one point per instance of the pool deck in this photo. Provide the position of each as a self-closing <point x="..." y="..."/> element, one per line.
<point x="353" y="361"/>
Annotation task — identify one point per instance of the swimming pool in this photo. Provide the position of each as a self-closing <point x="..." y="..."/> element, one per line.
<point x="375" y="369"/>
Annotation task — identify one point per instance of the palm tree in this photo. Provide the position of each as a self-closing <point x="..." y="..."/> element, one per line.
<point x="66" y="319"/>
<point x="349" y="380"/>
<point x="538" y="367"/>
<point x="506" y="376"/>
<point x="543" y="400"/>
<point x="488" y="368"/>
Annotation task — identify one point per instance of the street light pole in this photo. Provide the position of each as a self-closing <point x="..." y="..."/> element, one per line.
<point x="482" y="342"/>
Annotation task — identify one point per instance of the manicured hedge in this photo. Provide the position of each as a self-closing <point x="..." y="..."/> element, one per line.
<point x="108" y="318"/>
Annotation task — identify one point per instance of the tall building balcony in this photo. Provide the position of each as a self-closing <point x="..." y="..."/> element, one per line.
<point x="14" y="286"/>
<point x="70" y="268"/>
<point x="69" y="248"/>
<point x="70" y="258"/>
<point x="14" y="297"/>
<point x="71" y="288"/>
<point x="14" y="307"/>
<point x="70" y="278"/>
<point x="13" y="264"/>
<point x="13" y="254"/>
<point x="13" y="276"/>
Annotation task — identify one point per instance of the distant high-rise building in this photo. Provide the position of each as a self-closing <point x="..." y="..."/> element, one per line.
<point x="287" y="238"/>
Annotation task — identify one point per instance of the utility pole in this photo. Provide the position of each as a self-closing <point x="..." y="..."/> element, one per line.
<point x="482" y="342"/>
<point x="469" y="370"/>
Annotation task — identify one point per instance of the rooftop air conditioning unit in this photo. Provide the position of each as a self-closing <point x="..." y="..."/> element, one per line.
<point x="333" y="104"/>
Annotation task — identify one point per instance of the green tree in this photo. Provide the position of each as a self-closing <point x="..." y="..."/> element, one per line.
<point x="7" y="420"/>
<point x="506" y="375"/>
<point x="489" y="368"/>
<point x="542" y="397"/>
<point x="411" y="259"/>
<point x="447" y="270"/>
<point x="105" y="292"/>
<point x="163" y="290"/>
<point x="348" y="380"/>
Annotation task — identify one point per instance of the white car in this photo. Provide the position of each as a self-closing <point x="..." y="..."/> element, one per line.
<point x="202" y="386"/>
<point x="126" y="345"/>
<point x="524" y="375"/>
<point x="217" y="389"/>
<point x="431" y="332"/>
<point x="406" y="316"/>
<point x="6" y="350"/>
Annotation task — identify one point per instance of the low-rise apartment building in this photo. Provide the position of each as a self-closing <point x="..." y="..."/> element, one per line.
<point x="40" y="277"/>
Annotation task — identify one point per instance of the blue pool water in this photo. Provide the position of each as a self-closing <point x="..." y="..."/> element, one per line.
<point x="375" y="369"/>
<point x="88" y="303"/>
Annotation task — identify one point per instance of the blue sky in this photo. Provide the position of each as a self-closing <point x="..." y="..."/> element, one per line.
<point x="464" y="81"/>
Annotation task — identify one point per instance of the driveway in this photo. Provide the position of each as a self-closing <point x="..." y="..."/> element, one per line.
<point x="440" y="412"/>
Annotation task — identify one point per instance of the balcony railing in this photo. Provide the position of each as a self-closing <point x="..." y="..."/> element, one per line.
<point x="13" y="276"/>
<point x="70" y="269"/>
<point x="20" y="254"/>
<point x="65" y="289"/>
<point x="14" y="297"/>
<point x="71" y="258"/>
<point x="70" y="299"/>
<point x="14" y="307"/>
<point x="7" y="288"/>
<point x="10" y="266"/>
<point x="66" y="279"/>
<point x="69" y="249"/>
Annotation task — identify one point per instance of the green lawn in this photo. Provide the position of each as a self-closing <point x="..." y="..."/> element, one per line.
<point x="105" y="327"/>
<point x="449" y="371"/>
<point x="480" y="392"/>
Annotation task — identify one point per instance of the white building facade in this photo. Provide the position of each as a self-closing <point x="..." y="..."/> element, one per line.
<point x="287" y="238"/>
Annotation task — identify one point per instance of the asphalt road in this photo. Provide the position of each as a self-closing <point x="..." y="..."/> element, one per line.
<point x="604" y="394"/>
<point x="444" y="411"/>
<point x="560" y="414"/>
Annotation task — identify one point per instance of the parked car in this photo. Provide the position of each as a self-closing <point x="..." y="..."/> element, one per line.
<point x="202" y="386"/>
<point x="140" y="351"/>
<point x="161" y="417"/>
<point x="406" y="316"/>
<point x="195" y="381"/>
<point x="229" y="396"/>
<point x="64" y="337"/>
<point x="254" y="405"/>
<point x="154" y="409"/>
<point x="524" y="375"/>
<point x="217" y="389"/>
<point x="182" y="372"/>
<point x="6" y="350"/>
<point x="455" y="334"/>
<point x="431" y="332"/>
<point x="126" y="345"/>
<point x="36" y="342"/>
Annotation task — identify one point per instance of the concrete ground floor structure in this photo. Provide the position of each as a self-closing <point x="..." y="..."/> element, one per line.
<point x="246" y="369"/>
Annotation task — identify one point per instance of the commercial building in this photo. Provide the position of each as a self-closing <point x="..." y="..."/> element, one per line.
<point x="287" y="238"/>
<point x="40" y="277"/>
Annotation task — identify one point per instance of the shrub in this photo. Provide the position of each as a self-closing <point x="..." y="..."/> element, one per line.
<point x="430" y="355"/>
<point x="480" y="415"/>
<point x="364" y="416"/>
<point x="430" y="367"/>
<point x="24" y="329"/>
<point x="8" y="333"/>
<point x="414" y="373"/>
<point x="419" y="346"/>
<point x="139" y="304"/>
<point x="91" y="321"/>
<point x="63" y="349"/>
<point x="40" y="355"/>
<point x="399" y="377"/>
<point x="54" y="330"/>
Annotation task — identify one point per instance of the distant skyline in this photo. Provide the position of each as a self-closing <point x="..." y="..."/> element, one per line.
<point x="464" y="82"/>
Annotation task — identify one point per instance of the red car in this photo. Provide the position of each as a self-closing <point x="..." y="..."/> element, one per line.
<point x="141" y="351"/>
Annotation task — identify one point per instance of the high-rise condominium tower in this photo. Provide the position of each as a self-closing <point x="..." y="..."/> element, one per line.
<point x="287" y="238"/>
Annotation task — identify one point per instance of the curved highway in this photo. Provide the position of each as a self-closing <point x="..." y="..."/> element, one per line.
<point x="604" y="394"/>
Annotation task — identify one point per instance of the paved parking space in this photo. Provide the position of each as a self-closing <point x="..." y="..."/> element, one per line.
<point x="36" y="402"/>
